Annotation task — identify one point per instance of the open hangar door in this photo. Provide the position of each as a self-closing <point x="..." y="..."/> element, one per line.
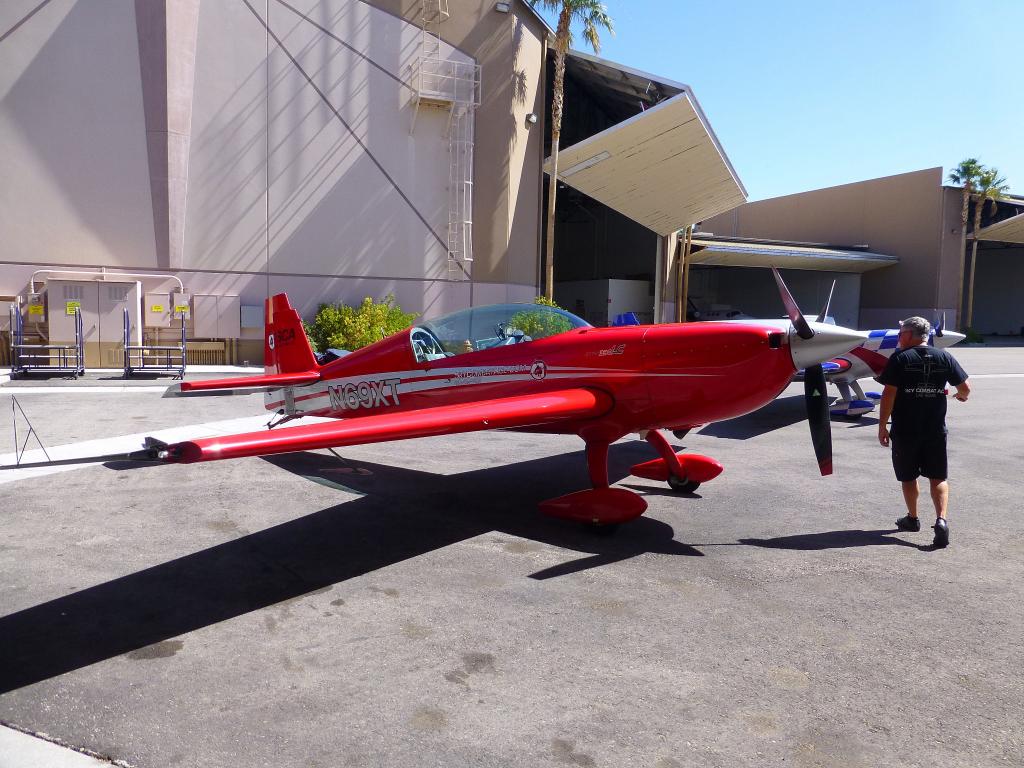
<point x="721" y="292"/>
<point x="638" y="162"/>
<point x="721" y="282"/>
<point x="997" y="307"/>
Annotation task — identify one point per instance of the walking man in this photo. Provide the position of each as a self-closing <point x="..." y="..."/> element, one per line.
<point x="915" y="382"/>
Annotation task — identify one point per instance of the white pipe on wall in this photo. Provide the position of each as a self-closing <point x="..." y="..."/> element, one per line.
<point x="98" y="273"/>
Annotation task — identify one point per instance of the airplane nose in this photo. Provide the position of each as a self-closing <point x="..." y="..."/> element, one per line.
<point x="827" y="342"/>
<point x="948" y="339"/>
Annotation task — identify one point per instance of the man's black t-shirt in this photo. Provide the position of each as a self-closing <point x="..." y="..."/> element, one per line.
<point x="920" y="375"/>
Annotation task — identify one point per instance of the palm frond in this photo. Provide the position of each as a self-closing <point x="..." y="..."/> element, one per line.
<point x="966" y="173"/>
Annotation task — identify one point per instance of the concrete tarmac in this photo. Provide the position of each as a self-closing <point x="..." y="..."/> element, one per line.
<point x="406" y="604"/>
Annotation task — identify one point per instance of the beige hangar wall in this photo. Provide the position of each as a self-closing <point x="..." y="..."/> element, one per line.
<point x="248" y="166"/>
<point x="903" y="215"/>
<point x="74" y="174"/>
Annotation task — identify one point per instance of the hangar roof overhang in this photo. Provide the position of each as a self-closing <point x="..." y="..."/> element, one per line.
<point x="710" y="252"/>
<point x="664" y="167"/>
<point x="1009" y="230"/>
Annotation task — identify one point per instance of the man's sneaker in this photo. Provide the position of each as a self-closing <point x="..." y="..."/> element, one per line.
<point x="941" y="533"/>
<point x="908" y="523"/>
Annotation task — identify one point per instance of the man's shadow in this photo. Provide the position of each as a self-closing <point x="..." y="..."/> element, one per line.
<point x="835" y="540"/>
<point x="402" y="514"/>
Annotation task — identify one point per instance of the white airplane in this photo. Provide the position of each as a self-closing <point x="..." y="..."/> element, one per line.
<point x="865" y="361"/>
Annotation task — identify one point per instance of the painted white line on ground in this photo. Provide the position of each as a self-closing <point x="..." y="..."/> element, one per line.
<point x="73" y="390"/>
<point x="128" y="443"/>
<point x="995" y="376"/>
<point x="22" y="750"/>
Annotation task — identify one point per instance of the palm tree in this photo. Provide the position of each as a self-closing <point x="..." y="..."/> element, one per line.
<point x="990" y="188"/>
<point x="593" y="15"/>
<point x="965" y="175"/>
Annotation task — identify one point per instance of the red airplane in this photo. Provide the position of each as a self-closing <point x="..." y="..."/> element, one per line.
<point x="529" y="368"/>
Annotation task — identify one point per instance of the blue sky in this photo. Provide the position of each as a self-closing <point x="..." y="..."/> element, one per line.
<point x="806" y="95"/>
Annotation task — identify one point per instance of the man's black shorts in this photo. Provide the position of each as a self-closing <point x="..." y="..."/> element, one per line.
<point x="915" y="456"/>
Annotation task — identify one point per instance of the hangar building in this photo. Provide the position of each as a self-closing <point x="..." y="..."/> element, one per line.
<point x="900" y="239"/>
<point x="189" y="158"/>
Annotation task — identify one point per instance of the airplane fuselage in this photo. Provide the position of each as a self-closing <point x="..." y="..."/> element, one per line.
<point x="656" y="376"/>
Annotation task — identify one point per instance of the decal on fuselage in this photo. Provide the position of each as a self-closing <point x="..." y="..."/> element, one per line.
<point x="364" y="394"/>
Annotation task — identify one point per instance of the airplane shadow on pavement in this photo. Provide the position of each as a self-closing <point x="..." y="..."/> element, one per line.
<point x="781" y="412"/>
<point x="404" y="513"/>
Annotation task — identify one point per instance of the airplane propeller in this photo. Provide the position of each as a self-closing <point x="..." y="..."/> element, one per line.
<point x="824" y="310"/>
<point x="810" y="348"/>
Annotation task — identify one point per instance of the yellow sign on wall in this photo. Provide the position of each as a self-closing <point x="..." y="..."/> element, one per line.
<point x="36" y="309"/>
<point x="181" y="307"/>
<point x="71" y="306"/>
<point x="156" y="308"/>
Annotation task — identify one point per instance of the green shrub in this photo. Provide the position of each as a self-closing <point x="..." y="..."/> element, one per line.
<point x="340" y="326"/>
<point x="539" y="325"/>
<point x="973" y="337"/>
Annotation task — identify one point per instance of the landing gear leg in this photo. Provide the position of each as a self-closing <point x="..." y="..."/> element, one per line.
<point x="677" y="479"/>
<point x="601" y="507"/>
<point x="597" y="464"/>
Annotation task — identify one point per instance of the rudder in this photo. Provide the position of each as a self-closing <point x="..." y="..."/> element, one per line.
<point x="285" y="346"/>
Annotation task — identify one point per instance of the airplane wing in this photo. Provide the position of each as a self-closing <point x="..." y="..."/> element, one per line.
<point x="241" y="385"/>
<point x="501" y="413"/>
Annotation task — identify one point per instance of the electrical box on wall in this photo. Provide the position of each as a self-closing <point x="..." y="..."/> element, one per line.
<point x="252" y="316"/>
<point x="64" y="300"/>
<point x="157" y="310"/>
<point x="216" y="317"/>
<point x="35" y="309"/>
<point x="181" y="304"/>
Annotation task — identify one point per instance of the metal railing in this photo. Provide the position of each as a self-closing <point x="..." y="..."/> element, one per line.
<point x="153" y="358"/>
<point x="59" y="358"/>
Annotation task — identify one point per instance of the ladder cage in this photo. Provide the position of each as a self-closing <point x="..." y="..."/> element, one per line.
<point x="454" y="86"/>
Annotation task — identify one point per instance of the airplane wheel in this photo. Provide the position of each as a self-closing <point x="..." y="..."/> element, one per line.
<point x="682" y="486"/>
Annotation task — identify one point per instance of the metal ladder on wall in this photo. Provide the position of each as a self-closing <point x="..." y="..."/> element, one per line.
<point x="27" y="358"/>
<point x="455" y="87"/>
<point x="150" y="357"/>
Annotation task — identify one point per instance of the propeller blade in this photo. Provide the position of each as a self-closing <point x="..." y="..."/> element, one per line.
<point x="941" y="324"/>
<point x="803" y="330"/>
<point x="817" y="416"/>
<point x="824" y="310"/>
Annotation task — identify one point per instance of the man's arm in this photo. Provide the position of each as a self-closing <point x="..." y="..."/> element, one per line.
<point x="884" y="412"/>
<point x="963" y="391"/>
<point x="958" y="378"/>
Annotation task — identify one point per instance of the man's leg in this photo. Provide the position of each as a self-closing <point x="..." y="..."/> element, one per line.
<point x="907" y="466"/>
<point x="940" y="497"/>
<point x="910" y="494"/>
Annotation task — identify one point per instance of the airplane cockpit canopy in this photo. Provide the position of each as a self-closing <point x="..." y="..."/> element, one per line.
<point x="477" y="328"/>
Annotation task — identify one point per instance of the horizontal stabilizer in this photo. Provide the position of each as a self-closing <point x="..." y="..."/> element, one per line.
<point x="241" y="385"/>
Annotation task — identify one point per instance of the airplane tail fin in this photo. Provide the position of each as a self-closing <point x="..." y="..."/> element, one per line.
<point x="286" y="349"/>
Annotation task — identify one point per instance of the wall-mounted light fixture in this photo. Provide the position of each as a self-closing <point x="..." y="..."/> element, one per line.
<point x="503" y="7"/>
<point x="531" y="119"/>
